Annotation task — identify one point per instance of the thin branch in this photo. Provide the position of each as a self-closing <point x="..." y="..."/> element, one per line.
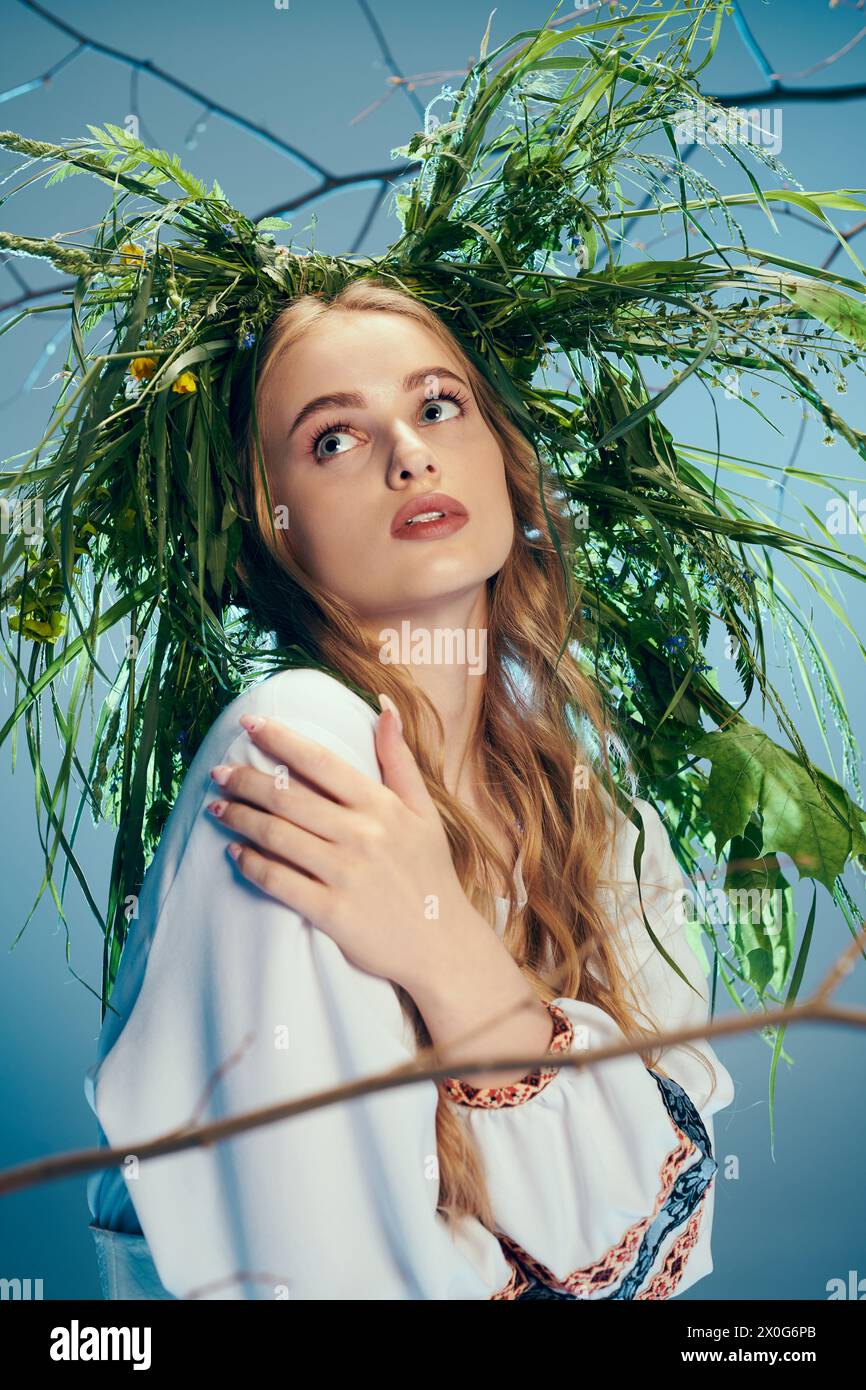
<point x="117" y="55"/>
<point x="421" y="79"/>
<point x="745" y="32"/>
<point x="63" y="1165"/>
<point x="832" y="58"/>
<point x="389" y="57"/>
<point x="428" y="79"/>
<point x="846" y="236"/>
<point x="332" y="182"/>
<point x="849" y="91"/>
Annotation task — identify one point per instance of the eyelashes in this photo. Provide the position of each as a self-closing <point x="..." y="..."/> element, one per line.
<point x="336" y="426"/>
<point x="333" y="428"/>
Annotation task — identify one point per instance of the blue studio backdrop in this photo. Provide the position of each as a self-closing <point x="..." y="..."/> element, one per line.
<point x="271" y="98"/>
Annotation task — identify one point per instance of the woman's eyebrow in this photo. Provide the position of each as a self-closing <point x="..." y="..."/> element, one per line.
<point x="352" y="398"/>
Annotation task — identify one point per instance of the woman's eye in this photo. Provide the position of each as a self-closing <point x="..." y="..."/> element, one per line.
<point x="328" y="438"/>
<point x="325" y="445"/>
<point x="438" y="403"/>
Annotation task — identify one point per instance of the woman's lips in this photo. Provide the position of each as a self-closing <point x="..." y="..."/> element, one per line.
<point x="431" y="530"/>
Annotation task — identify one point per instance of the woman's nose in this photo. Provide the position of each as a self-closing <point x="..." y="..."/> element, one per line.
<point x="411" y="453"/>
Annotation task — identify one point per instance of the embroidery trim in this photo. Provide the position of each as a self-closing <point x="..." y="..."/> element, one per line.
<point x="682" y="1197"/>
<point x="517" y="1092"/>
<point x="518" y="1283"/>
<point x="664" y="1284"/>
<point x="589" y="1279"/>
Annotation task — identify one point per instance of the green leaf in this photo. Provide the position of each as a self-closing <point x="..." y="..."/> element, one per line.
<point x="752" y="773"/>
<point x="761" y="906"/>
<point x="273" y="224"/>
<point x="839" y="311"/>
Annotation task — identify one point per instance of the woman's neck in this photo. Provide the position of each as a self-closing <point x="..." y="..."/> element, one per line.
<point x="444" y="649"/>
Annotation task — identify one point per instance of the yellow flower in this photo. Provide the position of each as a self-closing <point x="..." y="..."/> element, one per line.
<point x="143" y="367"/>
<point x="186" y="382"/>
<point x="37" y="630"/>
<point x="131" y="255"/>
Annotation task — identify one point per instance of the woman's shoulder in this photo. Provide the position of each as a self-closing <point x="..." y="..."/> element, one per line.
<point x="307" y="699"/>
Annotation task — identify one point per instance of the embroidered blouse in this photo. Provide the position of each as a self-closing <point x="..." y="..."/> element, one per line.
<point x="600" y="1179"/>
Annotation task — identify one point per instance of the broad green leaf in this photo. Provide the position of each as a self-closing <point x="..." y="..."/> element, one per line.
<point x="752" y="773"/>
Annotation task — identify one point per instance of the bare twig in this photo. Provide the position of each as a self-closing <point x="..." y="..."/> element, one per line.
<point x="825" y="62"/>
<point x="816" y="1008"/>
<point x="388" y="55"/>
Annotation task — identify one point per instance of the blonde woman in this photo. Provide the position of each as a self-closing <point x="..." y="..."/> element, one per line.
<point x="332" y="895"/>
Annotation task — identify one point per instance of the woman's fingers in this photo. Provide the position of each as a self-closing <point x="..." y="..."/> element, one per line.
<point x="283" y="795"/>
<point x="279" y="838"/>
<point x="282" y="882"/>
<point x="312" y="760"/>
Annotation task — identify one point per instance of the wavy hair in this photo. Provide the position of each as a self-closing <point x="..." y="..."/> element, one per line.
<point x="535" y="700"/>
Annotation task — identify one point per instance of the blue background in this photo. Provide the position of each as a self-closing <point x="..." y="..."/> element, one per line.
<point x="784" y="1225"/>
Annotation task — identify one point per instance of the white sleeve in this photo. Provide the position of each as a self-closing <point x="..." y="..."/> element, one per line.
<point x="232" y="1001"/>
<point x="601" y="1180"/>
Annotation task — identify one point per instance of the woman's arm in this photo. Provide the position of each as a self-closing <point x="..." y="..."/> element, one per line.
<point x="482" y="997"/>
<point x="368" y="861"/>
<point x="233" y="1001"/>
<point x="601" y="1179"/>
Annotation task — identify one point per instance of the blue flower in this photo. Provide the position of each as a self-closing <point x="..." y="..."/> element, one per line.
<point x="248" y="339"/>
<point x="674" y="644"/>
<point x="579" y="250"/>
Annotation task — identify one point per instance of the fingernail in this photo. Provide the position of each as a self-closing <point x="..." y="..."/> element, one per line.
<point x="387" y="703"/>
<point x="220" y="774"/>
<point x="251" y="722"/>
<point x="216" y="808"/>
<point x="234" y="849"/>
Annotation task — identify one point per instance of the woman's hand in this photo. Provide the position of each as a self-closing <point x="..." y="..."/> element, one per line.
<point x="368" y="864"/>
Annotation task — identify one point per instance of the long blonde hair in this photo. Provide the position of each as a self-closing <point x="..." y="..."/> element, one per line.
<point x="533" y="699"/>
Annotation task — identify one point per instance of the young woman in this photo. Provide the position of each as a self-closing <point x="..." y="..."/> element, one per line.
<point x="332" y="895"/>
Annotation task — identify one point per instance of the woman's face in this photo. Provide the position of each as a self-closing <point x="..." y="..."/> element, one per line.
<point x="344" y="468"/>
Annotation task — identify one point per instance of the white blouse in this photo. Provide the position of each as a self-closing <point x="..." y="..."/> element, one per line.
<point x="601" y="1180"/>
